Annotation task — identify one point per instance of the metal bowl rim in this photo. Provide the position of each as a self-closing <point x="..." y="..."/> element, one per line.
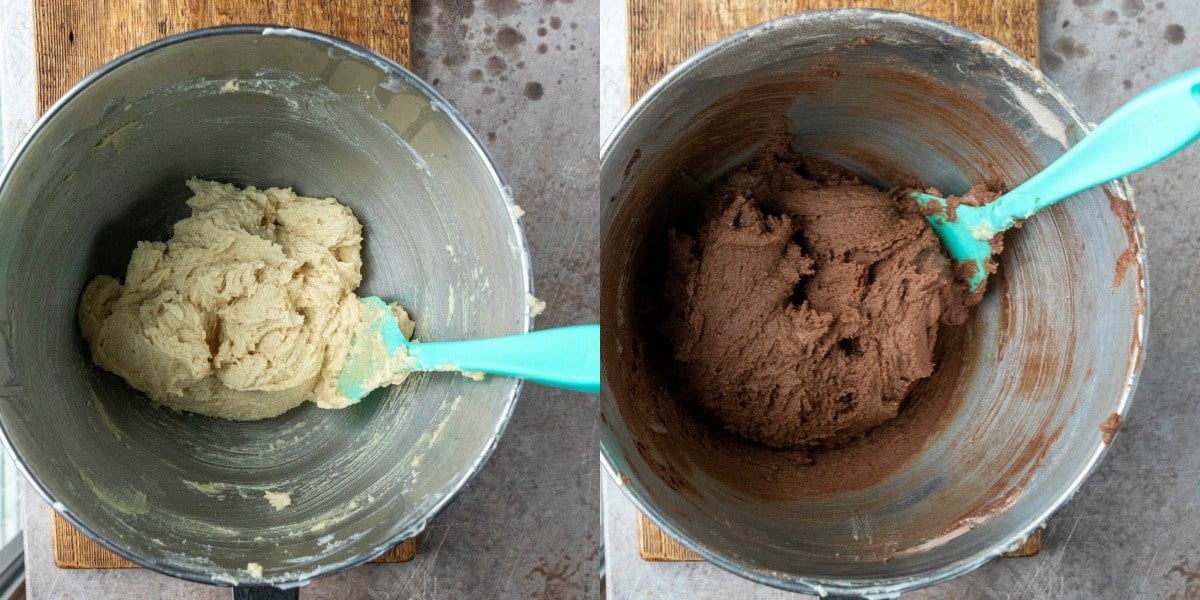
<point x="393" y="69"/>
<point x="887" y="588"/>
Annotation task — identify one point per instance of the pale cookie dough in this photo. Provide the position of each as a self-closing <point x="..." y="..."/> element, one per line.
<point x="245" y="313"/>
<point x="536" y="305"/>
<point x="278" y="500"/>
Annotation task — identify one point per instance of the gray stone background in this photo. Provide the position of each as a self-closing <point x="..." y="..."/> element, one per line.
<point x="523" y="74"/>
<point x="540" y="80"/>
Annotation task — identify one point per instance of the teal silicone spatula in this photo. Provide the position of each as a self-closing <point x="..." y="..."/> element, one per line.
<point x="1152" y="126"/>
<point x="565" y="357"/>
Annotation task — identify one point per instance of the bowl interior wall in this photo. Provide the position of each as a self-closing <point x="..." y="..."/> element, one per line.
<point x="187" y="493"/>
<point x="1041" y="363"/>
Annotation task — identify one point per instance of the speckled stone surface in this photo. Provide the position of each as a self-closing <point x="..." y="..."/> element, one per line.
<point x="1133" y="530"/>
<point x="524" y="75"/>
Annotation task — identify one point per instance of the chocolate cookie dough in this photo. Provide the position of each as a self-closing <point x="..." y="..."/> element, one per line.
<point x="803" y="305"/>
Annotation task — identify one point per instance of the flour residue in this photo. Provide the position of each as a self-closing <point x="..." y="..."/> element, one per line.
<point x="431" y="437"/>
<point x="126" y="501"/>
<point x="106" y="421"/>
<point x="437" y="431"/>
<point x="338" y="516"/>
<point x="208" y="489"/>
<point x="1047" y="122"/>
<point x="119" y="137"/>
<point x="210" y="527"/>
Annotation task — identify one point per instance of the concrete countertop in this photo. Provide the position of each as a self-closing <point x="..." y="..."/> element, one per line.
<point x="523" y="74"/>
<point x="1133" y="530"/>
<point x="527" y="526"/>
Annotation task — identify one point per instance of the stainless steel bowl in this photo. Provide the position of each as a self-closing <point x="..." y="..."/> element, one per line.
<point x="1053" y="350"/>
<point x="105" y="167"/>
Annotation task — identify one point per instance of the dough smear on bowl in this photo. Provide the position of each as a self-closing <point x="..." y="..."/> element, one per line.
<point x="803" y="305"/>
<point x="245" y="313"/>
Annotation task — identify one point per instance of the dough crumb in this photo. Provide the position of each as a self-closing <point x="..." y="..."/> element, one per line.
<point x="245" y="313"/>
<point x="255" y="570"/>
<point x="1109" y="428"/>
<point x="280" y="500"/>
<point x="230" y="86"/>
<point x="473" y="375"/>
<point x="516" y="210"/>
<point x="536" y="306"/>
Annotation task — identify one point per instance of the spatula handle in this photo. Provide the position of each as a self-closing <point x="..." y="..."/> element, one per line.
<point x="565" y="357"/>
<point x="1152" y="126"/>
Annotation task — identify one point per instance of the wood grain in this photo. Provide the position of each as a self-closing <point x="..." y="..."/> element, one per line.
<point x="663" y="33"/>
<point x="75" y="37"/>
<point x="1029" y="546"/>
<point x="655" y="545"/>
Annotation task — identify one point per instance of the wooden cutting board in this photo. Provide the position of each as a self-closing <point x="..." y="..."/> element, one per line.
<point x="663" y="33"/>
<point x="74" y="37"/>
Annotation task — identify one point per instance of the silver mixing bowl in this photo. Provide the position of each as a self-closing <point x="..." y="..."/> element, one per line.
<point x="1049" y="355"/>
<point x="105" y="167"/>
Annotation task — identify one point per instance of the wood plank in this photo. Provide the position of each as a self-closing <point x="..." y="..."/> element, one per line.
<point x="73" y="550"/>
<point x="663" y="33"/>
<point x="655" y="545"/>
<point x="75" y="37"/>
